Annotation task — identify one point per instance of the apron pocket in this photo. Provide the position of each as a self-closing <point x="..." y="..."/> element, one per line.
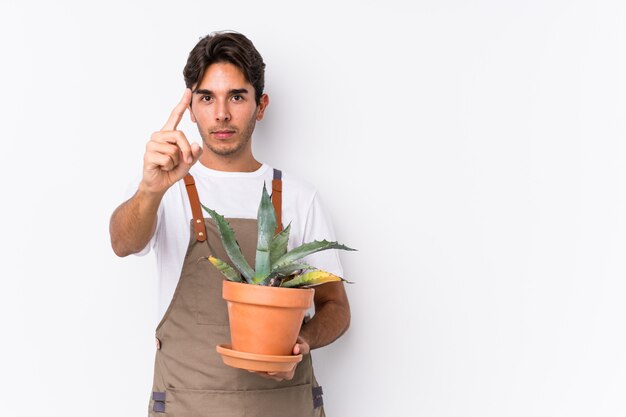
<point x="204" y="403"/>
<point x="281" y="402"/>
<point x="210" y="308"/>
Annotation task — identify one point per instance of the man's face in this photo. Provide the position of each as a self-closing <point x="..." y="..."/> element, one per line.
<point x="225" y="110"/>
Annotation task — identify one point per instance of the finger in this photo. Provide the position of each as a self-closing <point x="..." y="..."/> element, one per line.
<point x="196" y="152"/>
<point x="179" y="110"/>
<point x="301" y="348"/>
<point x="157" y="160"/>
<point x="165" y="161"/>
<point x="168" y="149"/>
<point x="185" y="148"/>
<point x="276" y="376"/>
<point x="178" y="138"/>
<point x="184" y="167"/>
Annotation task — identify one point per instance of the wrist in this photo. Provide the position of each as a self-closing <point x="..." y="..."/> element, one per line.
<point x="146" y="200"/>
<point x="146" y="193"/>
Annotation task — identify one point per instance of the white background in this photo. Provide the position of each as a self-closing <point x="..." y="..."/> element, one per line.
<point x="473" y="151"/>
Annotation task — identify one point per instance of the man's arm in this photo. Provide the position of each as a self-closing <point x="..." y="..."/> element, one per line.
<point x="332" y="316"/>
<point x="133" y="223"/>
<point x="331" y="320"/>
<point x="167" y="159"/>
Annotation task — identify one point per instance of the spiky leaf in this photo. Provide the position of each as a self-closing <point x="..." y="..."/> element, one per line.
<point x="275" y="277"/>
<point x="229" y="272"/>
<point x="230" y="244"/>
<point x="305" y="250"/>
<point x="278" y="247"/>
<point x="311" y="278"/>
<point x="266" y="219"/>
<point x="289" y="269"/>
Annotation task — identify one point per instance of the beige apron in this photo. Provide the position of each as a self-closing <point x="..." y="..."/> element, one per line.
<point x="190" y="379"/>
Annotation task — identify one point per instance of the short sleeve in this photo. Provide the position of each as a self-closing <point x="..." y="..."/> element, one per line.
<point x="319" y="227"/>
<point x="130" y="191"/>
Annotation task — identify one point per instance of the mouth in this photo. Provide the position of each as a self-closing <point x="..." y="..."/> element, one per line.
<point x="223" y="134"/>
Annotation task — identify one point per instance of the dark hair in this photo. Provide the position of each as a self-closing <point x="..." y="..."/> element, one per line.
<point x="231" y="47"/>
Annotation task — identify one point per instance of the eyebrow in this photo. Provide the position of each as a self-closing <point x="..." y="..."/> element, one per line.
<point x="230" y="92"/>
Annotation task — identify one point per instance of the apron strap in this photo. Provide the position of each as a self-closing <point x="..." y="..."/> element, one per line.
<point x="196" y="210"/>
<point x="277" y="199"/>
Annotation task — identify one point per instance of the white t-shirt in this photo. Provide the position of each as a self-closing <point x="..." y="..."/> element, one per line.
<point x="233" y="195"/>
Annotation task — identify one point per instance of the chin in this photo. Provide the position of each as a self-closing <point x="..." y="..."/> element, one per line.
<point x="225" y="150"/>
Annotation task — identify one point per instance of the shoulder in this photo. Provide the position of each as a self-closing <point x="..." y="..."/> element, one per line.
<point x="296" y="187"/>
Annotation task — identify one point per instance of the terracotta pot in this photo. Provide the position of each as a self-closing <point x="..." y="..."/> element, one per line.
<point x="265" y="320"/>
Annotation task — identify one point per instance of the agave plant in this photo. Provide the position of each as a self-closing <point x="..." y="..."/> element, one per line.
<point x="274" y="265"/>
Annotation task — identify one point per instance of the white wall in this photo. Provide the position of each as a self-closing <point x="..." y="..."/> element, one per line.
<point x="472" y="151"/>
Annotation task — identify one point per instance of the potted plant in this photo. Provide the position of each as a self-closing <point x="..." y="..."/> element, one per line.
<point x="267" y="304"/>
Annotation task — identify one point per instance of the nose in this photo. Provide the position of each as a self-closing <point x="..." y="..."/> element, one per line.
<point x="222" y="112"/>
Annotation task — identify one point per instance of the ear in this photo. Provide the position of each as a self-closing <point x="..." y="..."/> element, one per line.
<point x="263" y="103"/>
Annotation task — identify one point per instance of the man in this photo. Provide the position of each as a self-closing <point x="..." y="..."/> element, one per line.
<point x="224" y="75"/>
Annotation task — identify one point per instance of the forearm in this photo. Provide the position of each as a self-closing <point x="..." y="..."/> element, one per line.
<point x="331" y="320"/>
<point x="133" y="223"/>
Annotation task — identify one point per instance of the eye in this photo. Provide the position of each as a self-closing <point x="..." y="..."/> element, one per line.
<point x="237" y="97"/>
<point x="205" y="98"/>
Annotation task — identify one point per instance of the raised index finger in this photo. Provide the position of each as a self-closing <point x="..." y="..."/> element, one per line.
<point x="179" y="110"/>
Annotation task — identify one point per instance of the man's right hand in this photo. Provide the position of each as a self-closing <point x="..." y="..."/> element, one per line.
<point x="168" y="156"/>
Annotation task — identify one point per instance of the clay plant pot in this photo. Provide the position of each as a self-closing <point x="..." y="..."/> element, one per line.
<point x="265" y="320"/>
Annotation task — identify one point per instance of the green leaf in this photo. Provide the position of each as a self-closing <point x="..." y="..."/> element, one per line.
<point x="266" y="219"/>
<point x="305" y="250"/>
<point x="281" y="273"/>
<point x="311" y="278"/>
<point x="229" y="272"/>
<point x="278" y="247"/>
<point x="289" y="269"/>
<point x="230" y="244"/>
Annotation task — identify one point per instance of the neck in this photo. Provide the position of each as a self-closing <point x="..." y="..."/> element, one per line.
<point x="241" y="163"/>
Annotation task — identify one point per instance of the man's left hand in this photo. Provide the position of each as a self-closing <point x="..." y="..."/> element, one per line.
<point x="301" y="347"/>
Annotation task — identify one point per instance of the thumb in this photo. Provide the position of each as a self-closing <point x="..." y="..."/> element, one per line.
<point x="301" y="347"/>
<point x="196" y="151"/>
<point x="183" y="167"/>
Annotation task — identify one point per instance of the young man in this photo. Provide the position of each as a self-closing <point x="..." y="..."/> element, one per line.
<point x="224" y="75"/>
